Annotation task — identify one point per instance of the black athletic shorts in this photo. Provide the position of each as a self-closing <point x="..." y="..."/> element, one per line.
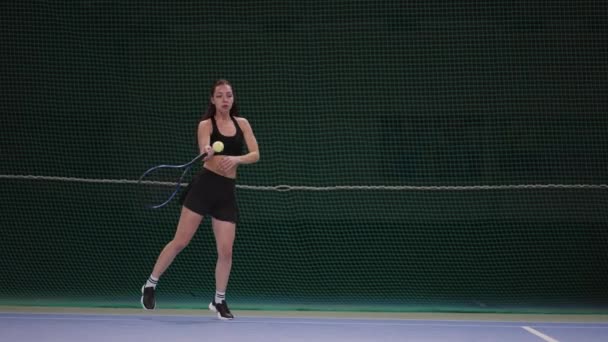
<point x="211" y="194"/>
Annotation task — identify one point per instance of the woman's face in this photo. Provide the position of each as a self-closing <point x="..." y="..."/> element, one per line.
<point x="223" y="98"/>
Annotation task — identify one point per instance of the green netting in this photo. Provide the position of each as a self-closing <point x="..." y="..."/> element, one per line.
<point x="432" y="155"/>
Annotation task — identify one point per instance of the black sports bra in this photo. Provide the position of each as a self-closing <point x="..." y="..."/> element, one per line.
<point x="233" y="145"/>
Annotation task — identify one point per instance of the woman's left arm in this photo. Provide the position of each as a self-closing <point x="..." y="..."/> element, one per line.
<point x="253" y="154"/>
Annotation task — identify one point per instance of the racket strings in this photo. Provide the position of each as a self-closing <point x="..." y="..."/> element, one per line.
<point x="160" y="185"/>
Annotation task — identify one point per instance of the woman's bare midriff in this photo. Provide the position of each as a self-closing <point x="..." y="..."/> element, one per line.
<point x="213" y="164"/>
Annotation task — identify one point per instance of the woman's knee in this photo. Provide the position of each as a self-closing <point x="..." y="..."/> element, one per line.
<point x="224" y="253"/>
<point x="186" y="228"/>
<point x="179" y="244"/>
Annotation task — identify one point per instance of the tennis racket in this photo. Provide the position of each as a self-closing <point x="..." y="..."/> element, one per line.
<point x="159" y="184"/>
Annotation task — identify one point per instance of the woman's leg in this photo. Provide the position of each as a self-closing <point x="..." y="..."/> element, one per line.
<point x="188" y="224"/>
<point x="225" y="233"/>
<point x="186" y="227"/>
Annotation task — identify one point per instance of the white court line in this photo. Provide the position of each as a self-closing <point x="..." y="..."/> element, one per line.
<point x="269" y="320"/>
<point x="539" y="334"/>
<point x="265" y="321"/>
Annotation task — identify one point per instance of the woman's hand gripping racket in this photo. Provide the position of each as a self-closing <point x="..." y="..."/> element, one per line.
<point x="159" y="184"/>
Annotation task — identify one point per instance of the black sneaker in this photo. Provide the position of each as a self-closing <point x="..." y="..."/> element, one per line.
<point x="222" y="310"/>
<point x="148" y="301"/>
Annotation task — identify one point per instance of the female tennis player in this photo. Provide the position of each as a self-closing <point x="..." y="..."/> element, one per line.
<point x="212" y="193"/>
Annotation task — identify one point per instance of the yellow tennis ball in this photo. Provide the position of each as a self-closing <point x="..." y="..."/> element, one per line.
<point x="218" y="146"/>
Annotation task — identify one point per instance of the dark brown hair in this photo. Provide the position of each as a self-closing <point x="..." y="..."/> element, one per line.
<point x="234" y="111"/>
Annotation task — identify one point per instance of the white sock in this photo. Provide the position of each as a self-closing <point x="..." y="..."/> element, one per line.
<point x="219" y="296"/>
<point x="152" y="282"/>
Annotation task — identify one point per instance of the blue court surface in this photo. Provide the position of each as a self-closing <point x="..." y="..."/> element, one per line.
<point x="90" y="327"/>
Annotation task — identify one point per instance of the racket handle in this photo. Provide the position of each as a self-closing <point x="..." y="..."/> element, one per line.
<point x="200" y="156"/>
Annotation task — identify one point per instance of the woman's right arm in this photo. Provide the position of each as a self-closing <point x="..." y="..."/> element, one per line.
<point x="203" y="137"/>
